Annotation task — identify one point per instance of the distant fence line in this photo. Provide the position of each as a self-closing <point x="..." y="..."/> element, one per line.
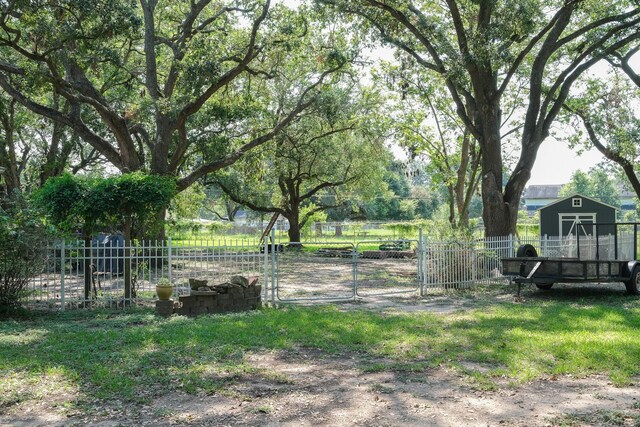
<point x="76" y="275"/>
<point x="356" y="230"/>
<point x="347" y="229"/>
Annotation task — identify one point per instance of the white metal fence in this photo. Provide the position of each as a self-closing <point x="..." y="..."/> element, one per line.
<point x="79" y="275"/>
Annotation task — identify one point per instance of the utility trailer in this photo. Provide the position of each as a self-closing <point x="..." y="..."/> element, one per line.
<point x="591" y="258"/>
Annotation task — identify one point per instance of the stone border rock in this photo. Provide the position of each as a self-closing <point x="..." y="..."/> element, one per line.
<point x="239" y="294"/>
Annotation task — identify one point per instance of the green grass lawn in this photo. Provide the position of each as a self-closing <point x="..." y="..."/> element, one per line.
<point x="134" y="356"/>
<point x="351" y="233"/>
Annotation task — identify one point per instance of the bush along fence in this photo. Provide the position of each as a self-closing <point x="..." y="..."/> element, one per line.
<point x="107" y="273"/>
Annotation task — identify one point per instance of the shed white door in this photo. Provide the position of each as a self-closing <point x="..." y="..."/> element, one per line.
<point x="572" y="224"/>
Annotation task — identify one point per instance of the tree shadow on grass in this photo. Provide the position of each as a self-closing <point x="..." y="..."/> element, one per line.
<point x="135" y="357"/>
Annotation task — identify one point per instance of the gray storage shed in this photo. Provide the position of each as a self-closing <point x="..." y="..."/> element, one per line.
<point x="574" y="215"/>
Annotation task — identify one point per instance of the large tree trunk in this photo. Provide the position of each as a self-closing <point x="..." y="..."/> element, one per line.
<point x="499" y="214"/>
<point x="8" y="157"/>
<point x="463" y="210"/>
<point x="452" y="207"/>
<point x="57" y="153"/>
<point x="11" y="178"/>
<point x="232" y="209"/>
<point x="294" y="228"/>
<point x="466" y="182"/>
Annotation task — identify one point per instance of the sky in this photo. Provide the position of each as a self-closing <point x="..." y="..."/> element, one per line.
<point x="556" y="162"/>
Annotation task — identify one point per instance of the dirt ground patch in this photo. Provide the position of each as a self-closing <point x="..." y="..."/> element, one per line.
<point x="307" y="387"/>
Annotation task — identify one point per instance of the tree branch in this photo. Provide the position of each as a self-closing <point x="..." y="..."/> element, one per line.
<point x="254" y="207"/>
<point x="524" y="52"/>
<point x="72" y="120"/>
<point x="615" y="156"/>
<point x="226" y="78"/>
<point x="233" y="157"/>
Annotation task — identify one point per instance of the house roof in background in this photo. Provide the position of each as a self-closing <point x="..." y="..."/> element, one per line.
<point x="551" y="192"/>
<point x="542" y="191"/>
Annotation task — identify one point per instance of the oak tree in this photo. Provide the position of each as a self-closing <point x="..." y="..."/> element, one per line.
<point x="479" y="48"/>
<point x="178" y="88"/>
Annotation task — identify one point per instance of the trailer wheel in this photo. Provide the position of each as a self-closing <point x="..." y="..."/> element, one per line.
<point x="544" y="286"/>
<point x="527" y="251"/>
<point x="633" y="285"/>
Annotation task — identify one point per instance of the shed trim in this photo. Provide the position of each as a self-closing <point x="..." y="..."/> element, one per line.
<point x="578" y="195"/>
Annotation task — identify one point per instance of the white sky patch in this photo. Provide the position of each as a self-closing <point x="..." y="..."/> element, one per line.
<point x="556" y="162"/>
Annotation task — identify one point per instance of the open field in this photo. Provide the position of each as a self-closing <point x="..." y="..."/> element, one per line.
<point x="350" y="231"/>
<point x="475" y="357"/>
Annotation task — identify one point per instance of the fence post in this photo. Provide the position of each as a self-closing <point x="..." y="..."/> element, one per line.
<point x="266" y="270"/>
<point x="354" y="259"/>
<point x="62" y="263"/>
<point x="421" y="263"/>
<point x="169" y="256"/>
<point x="273" y="266"/>
<point x="474" y="262"/>
<point x="425" y="250"/>
<point x="512" y="250"/>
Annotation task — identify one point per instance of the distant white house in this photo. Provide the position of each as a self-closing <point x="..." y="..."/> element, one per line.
<point x="538" y="196"/>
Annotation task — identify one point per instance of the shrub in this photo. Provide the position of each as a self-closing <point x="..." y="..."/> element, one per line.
<point x="22" y="237"/>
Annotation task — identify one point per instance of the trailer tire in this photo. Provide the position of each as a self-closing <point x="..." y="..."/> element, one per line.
<point x="633" y="285"/>
<point x="527" y="251"/>
<point x="544" y="286"/>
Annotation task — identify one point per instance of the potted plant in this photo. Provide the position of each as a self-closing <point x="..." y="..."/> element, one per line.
<point x="164" y="289"/>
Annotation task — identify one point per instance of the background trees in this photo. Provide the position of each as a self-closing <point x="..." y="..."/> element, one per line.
<point x="597" y="184"/>
<point x="481" y="48"/>
<point x="607" y="111"/>
<point x="188" y="88"/>
<point x="427" y="127"/>
<point x="332" y="151"/>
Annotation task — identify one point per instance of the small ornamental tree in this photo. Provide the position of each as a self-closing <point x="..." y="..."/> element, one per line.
<point x="63" y="201"/>
<point x="132" y="201"/>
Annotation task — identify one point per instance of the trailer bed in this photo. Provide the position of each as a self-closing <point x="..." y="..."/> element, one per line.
<point x="600" y="259"/>
<point x="566" y="270"/>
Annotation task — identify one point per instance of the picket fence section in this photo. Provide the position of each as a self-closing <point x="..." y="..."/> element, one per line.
<point x="109" y="273"/>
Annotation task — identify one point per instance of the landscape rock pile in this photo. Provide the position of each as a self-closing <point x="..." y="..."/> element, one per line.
<point x="238" y="294"/>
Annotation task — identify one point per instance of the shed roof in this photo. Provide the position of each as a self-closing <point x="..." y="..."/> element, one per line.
<point x="578" y="195"/>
